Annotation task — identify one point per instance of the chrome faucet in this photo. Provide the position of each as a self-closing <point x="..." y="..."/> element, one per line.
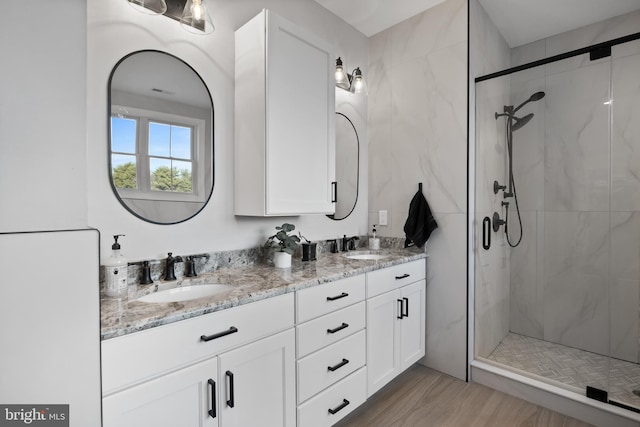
<point x="169" y="273"/>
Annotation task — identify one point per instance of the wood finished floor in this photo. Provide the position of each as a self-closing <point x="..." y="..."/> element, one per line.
<point x="424" y="397"/>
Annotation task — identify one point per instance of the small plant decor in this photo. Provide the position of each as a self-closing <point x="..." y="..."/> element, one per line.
<point x="282" y="241"/>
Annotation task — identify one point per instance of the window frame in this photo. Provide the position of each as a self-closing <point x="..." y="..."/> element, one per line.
<point x="143" y="171"/>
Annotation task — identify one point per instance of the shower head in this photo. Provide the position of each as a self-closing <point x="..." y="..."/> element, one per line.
<point x="535" y="97"/>
<point x="520" y="122"/>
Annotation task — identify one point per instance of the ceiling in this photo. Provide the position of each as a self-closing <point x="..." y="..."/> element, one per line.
<point x="372" y="16"/>
<point x="519" y="21"/>
<point x="525" y="21"/>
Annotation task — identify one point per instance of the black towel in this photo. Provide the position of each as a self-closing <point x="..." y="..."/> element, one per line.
<point x="420" y="223"/>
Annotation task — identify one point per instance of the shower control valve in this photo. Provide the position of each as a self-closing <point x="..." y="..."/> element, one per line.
<point x="497" y="222"/>
<point x="497" y="187"/>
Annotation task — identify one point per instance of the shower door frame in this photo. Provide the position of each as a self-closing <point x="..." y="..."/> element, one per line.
<point x="596" y="51"/>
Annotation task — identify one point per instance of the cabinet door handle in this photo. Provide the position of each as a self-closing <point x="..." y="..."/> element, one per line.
<point x="339" y="328"/>
<point x="338" y="366"/>
<point x="338" y="408"/>
<point x="342" y="295"/>
<point x="231" y="330"/>
<point x="212" y="411"/>
<point x="400" y="310"/>
<point x="406" y="304"/>
<point x="404" y="276"/>
<point x="230" y="400"/>
<point x="334" y="187"/>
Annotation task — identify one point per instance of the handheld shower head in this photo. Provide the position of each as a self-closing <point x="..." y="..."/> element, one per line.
<point x="535" y="97"/>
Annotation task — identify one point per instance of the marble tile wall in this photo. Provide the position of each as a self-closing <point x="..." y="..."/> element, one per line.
<point x="488" y="53"/>
<point x="575" y="279"/>
<point x="417" y="133"/>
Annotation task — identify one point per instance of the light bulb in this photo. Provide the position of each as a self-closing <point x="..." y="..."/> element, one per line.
<point x="359" y="85"/>
<point x="196" y="9"/>
<point x="340" y="75"/>
<point x="195" y="17"/>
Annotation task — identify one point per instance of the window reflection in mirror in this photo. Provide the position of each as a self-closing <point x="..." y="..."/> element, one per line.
<point x="161" y="137"/>
<point x="347" y="167"/>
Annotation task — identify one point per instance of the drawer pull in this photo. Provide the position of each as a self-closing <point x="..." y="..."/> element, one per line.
<point x="337" y="409"/>
<point x="231" y="330"/>
<point x="400" y="310"/>
<point x="230" y="400"/>
<point x="342" y="295"/>
<point x="338" y="366"/>
<point x="404" y="276"/>
<point x="339" y="328"/>
<point x="212" y="411"/>
<point x="406" y="304"/>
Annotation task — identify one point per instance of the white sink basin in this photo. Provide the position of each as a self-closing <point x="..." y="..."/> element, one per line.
<point x="185" y="293"/>
<point x="367" y="256"/>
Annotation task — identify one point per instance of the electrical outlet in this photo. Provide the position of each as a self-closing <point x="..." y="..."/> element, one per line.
<point x="382" y="217"/>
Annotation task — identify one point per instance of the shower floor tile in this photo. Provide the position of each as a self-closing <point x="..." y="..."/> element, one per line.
<point x="570" y="366"/>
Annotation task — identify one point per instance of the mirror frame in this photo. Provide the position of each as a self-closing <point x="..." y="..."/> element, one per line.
<point x="355" y="202"/>
<point x="109" y="144"/>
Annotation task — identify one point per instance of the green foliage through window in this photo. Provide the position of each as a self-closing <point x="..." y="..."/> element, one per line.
<point x="171" y="179"/>
<point x="124" y="176"/>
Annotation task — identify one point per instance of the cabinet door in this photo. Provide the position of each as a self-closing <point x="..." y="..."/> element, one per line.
<point x="257" y="383"/>
<point x="383" y="340"/>
<point x="183" y="398"/>
<point x="412" y="325"/>
<point x="301" y="120"/>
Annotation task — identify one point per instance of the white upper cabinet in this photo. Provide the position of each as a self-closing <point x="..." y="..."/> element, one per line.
<point x="284" y="120"/>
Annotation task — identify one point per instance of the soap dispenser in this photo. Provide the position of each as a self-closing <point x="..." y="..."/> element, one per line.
<point x="115" y="270"/>
<point x="374" y="242"/>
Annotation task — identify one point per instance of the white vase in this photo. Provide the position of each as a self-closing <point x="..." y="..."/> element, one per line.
<point x="282" y="259"/>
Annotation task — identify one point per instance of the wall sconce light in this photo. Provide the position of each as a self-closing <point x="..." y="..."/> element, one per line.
<point x="193" y="15"/>
<point x="353" y="82"/>
<point x="150" y="7"/>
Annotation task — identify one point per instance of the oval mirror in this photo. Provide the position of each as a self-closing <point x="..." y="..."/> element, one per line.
<point x="347" y="167"/>
<point x="160" y="137"/>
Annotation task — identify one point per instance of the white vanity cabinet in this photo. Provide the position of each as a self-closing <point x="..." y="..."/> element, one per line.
<point x="396" y="301"/>
<point x="331" y="351"/>
<point x="181" y="398"/>
<point x="258" y="383"/>
<point x="229" y="368"/>
<point x="284" y="120"/>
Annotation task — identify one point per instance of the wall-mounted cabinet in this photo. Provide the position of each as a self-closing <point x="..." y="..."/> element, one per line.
<point x="284" y="120"/>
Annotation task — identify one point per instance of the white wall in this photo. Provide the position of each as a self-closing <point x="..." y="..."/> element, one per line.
<point x="43" y="182"/>
<point x="114" y="30"/>
<point x="417" y="124"/>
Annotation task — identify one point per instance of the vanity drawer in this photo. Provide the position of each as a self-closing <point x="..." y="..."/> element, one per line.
<point x="330" y="328"/>
<point x="329" y="365"/>
<point x="333" y="404"/>
<point x="140" y="356"/>
<point x="387" y="279"/>
<point x="322" y="299"/>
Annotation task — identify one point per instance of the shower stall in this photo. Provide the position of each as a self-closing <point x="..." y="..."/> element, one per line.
<point x="556" y="236"/>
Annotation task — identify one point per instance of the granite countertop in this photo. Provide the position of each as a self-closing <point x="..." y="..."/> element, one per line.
<point x="251" y="283"/>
